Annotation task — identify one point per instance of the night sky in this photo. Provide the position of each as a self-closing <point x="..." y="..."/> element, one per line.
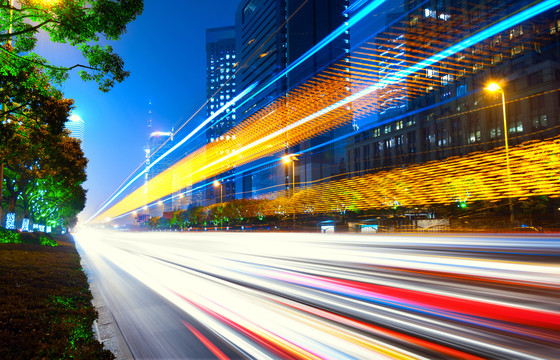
<point x="165" y="51"/>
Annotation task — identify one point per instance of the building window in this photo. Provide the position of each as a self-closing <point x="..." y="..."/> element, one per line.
<point x="516" y="50"/>
<point x="429" y="13"/>
<point x="462" y="90"/>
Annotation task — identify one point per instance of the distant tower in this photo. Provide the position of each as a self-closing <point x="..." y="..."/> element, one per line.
<point x="220" y="89"/>
<point x="150" y="118"/>
<point x="158" y="144"/>
<point x="76" y="126"/>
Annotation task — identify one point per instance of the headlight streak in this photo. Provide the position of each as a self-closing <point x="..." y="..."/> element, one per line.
<point x="146" y="274"/>
<point x="273" y="293"/>
<point x="255" y="139"/>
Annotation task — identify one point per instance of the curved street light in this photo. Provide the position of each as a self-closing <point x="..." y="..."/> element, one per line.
<point x="494" y="87"/>
<point x="287" y="160"/>
<point x="216" y="184"/>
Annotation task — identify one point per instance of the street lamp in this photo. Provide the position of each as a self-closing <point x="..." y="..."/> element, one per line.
<point x="216" y="184"/>
<point x="292" y="159"/>
<point x="493" y="87"/>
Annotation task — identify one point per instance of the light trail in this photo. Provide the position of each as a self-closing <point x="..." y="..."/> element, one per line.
<point x="311" y="296"/>
<point x="321" y="44"/>
<point x="256" y="138"/>
<point x="186" y="138"/>
<point x="327" y="40"/>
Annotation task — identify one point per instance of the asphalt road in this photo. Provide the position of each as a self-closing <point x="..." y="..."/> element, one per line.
<point x="213" y="295"/>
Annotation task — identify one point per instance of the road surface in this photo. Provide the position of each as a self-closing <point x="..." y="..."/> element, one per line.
<point x="219" y="295"/>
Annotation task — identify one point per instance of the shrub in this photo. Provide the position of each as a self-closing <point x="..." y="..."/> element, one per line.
<point x="37" y="238"/>
<point x="9" y="236"/>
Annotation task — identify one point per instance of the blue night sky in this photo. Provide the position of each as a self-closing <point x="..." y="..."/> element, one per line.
<point x="165" y="51"/>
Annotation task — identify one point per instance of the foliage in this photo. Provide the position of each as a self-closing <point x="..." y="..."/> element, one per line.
<point x="79" y="23"/>
<point x="279" y="213"/>
<point x="43" y="174"/>
<point x="34" y="99"/>
<point x="8" y="236"/>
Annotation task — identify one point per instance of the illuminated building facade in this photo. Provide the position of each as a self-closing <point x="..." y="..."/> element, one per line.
<point x="220" y="88"/>
<point x="448" y="112"/>
<point x="272" y="34"/>
<point x="158" y="143"/>
<point x="76" y="126"/>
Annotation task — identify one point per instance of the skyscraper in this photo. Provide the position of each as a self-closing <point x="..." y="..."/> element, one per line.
<point x="447" y="111"/>
<point x="76" y="126"/>
<point x="271" y="35"/>
<point x="220" y="89"/>
<point x="158" y="143"/>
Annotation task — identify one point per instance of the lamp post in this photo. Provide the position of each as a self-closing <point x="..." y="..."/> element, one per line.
<point x="287" y="160"/>
<point x="216" y="184"/>
<point x="493" y="87"/>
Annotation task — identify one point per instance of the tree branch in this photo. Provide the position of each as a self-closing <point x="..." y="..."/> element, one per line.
<point x="32" y="29"/>
<point x="52" y="67"/>
<point x="13" y="110"/>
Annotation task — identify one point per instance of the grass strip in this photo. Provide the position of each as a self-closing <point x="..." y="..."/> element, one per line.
<point x="45" y="306"/>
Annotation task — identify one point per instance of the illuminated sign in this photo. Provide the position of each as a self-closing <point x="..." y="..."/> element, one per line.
<point x="25" y="225"/>
<point x="11" y="221"/>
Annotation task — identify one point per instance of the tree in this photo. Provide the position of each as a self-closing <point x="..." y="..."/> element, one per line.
<point x="80" y="23"/>
<point x="195" y="215"/>
<point x="44" y="173"/>
<point x="53" y="203"/>
<point x="40" y="104"/>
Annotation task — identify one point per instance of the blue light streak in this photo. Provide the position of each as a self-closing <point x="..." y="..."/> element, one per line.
<point x="356" y="5"/>
<point x="395" y="78"/>
<point x="191" y="134"/>
<point x="327" y="40"/>
<point x="321" y="44"/>
<point x="462" y="45"/>
<point x="401" y="75"/>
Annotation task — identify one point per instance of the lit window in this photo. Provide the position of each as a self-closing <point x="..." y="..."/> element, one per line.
<point x="462" y="90"/>
<point x="429" y="13"/>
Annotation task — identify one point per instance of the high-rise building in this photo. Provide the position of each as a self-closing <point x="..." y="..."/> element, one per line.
<point x="76" y="126"/>
<point x="271" y="35"/>
<point x="158" y="143"/>
<point x="447" y="111"/>
<point x="220" y="89"/>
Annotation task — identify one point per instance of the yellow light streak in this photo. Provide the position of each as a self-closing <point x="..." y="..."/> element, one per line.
<point x="264" y="133"/>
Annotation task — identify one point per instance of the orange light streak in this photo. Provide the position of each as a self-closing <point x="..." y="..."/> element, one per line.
<point x="280" y="124"/>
